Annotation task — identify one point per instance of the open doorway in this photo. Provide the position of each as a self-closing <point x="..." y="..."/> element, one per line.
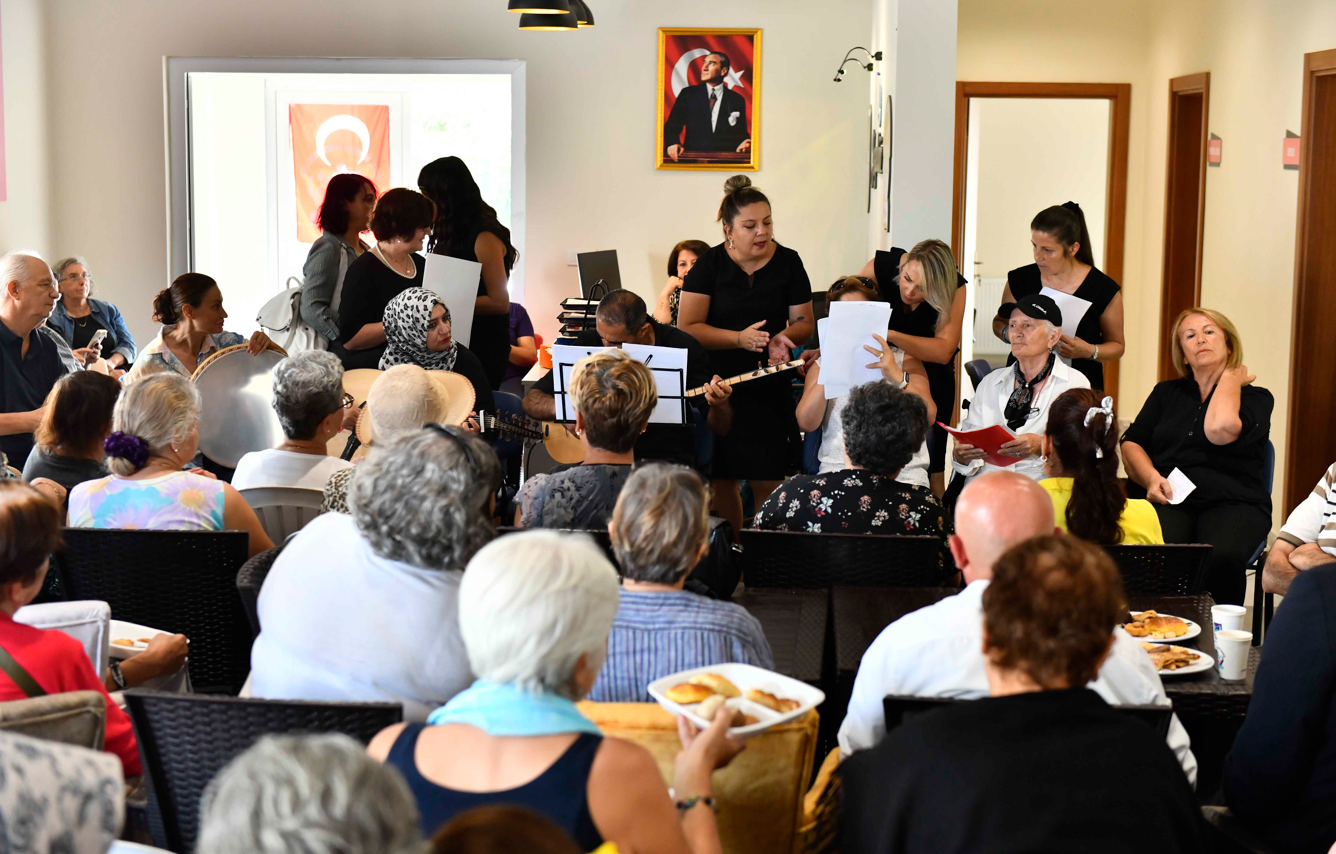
<point x="1019" y="148"/>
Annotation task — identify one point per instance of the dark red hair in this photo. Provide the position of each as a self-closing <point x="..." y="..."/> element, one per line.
<point x="341" y="189"/>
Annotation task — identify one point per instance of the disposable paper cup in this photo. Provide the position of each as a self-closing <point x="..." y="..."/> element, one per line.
<point x="1231" y="653"/>
<point x="1228" y="617"/>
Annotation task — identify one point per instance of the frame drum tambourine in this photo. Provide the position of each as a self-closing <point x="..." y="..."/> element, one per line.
<point x="237" y="411"/>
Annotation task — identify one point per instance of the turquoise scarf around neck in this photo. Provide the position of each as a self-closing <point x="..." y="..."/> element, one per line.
<point x="504" y="710"/>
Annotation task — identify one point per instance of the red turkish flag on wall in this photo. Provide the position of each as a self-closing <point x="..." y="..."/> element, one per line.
<point x="683" y="56"/>
<point x="331" y="138"/>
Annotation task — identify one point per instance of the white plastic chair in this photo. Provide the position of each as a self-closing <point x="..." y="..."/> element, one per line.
<point x="283" y="510"/>
<point x="88" y="622"/>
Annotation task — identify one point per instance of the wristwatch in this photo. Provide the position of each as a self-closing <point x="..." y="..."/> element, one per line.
<point x="116" y="675"/>
<point x="904" y="382"/>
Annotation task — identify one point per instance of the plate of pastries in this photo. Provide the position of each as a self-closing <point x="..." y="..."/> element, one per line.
<point x="757" y="699"/>
<point x="1170" y="660"/>
<point x="1153" y="627"/>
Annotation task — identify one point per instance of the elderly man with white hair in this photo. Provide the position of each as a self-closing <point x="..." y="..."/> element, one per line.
<point x="535" y="609"/>
<point x="30" y="361"/>
<point x="938" y="651"/>
<point x="308" y="397"/>
<point x="1018" y="397"/>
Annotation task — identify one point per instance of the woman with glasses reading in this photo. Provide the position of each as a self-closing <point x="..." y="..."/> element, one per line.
<point x="78" y="318"/>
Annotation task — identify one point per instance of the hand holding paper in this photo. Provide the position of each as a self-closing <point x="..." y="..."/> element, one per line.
<point x="1181" y="486"/>
<point x="851" y="326"/>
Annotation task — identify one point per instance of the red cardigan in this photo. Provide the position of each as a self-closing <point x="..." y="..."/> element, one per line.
<point x="58" y="663"/>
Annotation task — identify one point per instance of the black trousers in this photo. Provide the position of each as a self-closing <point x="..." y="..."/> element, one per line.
<point x="1236" y="530"/>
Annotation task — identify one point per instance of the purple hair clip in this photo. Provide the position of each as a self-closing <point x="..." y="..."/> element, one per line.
<point x="127" y="447"/>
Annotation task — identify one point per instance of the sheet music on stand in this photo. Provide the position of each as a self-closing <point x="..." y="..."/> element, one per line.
<point x="668" y="365"/>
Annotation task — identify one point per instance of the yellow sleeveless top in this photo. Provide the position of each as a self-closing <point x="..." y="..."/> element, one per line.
<point x="1140" y="524"/>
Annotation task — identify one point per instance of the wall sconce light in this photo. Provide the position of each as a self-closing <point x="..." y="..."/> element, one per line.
<point x="871" y="56"/>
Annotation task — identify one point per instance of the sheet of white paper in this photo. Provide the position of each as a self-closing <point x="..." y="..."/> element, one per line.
<point x="669" y="367"/>
<point x="564" y="357"/>
<point x="850" y="326"/>
<point x="1181" y="486"/>
<point x="455" y="281"/>
<point x="1073" y="309"/>
<point x="832" y="389"/>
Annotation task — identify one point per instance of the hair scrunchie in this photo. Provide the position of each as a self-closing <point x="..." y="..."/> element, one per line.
<point x="127" y="447"/>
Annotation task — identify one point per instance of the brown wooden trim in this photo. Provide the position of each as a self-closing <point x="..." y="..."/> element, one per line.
<point x="1119" y="96"/>
<point x="1185" y="85"/>
<point x="1297" y="483"/>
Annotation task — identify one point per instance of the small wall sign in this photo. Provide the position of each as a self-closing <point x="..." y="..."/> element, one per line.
<point x="1290" y="151"/>
<point x="1213" y="150"/>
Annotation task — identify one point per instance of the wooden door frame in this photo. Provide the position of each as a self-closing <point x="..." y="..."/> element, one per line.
<point x="1189" y="84"/>
<point x="1320" y="63"/>
<point x="1119" y="96"/>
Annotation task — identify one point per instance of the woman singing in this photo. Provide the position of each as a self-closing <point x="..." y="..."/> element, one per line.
<point x="749" y="302"/>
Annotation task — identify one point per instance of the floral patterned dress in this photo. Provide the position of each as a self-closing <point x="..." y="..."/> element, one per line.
<point x="852" y="501"/>
<point x="176" y="501"/>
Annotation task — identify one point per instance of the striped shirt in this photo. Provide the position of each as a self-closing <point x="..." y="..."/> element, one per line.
<point x="657" y="634"/>
<point x="1314" y="521"/>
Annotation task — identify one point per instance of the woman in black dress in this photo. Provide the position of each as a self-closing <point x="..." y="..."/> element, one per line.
<point x="466" y="227"/>
<point x="749" y="302"/>
<point x="401" y="222"/>
<point x="1063" y="262"/>
<point x="927" y="297"/>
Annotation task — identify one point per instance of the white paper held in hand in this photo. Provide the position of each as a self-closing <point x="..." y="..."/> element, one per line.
<point x="1073" y="311"/>
<point x="455" y="281"/>
<point x="850" y="326"/>
<point x="1181" y="486"/>
<point x="830" y="388"/>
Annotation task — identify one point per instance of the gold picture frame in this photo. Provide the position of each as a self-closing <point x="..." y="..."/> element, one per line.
<point x="714" y="147"/>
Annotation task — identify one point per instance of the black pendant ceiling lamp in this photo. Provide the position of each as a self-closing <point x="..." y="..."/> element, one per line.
<point x="540" y="7"/>
<point x="582" y="13"/>
<point x="532" y="21"/>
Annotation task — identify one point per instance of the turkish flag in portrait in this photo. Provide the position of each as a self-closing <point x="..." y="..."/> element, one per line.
<point x="331" y="138"/>
<point x="683" y="56"/>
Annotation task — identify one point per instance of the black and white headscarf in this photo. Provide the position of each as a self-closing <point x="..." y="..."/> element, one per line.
<point x="406" y="319"/>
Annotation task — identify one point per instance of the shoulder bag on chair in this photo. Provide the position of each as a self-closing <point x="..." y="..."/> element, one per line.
<point x="281" y="320"/>
<point x="719" y="571"/>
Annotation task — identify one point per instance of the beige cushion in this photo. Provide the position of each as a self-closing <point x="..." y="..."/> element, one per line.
<point x="74" y="717"/>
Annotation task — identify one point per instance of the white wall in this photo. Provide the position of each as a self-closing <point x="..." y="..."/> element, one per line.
<point x="25" y="215"/>
<point x="591" y="125"/>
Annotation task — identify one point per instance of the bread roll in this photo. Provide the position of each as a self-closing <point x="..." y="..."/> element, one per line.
<point x="716" y="683"/>
<point x="770" y="701"/>
<point x="687" y="693"/>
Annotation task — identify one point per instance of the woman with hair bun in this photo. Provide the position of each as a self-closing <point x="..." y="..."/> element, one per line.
<point x="1081" y="474"/>
<point x="749" y="302"/>
<point x="1063" y="261"/>
<point x="191" y="313"/>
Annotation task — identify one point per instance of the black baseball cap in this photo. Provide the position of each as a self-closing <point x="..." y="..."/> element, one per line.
<point x="1037" y="306"/>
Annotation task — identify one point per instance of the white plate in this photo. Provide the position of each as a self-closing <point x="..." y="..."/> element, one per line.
<point x="1203" y="663"/>
<point x="746" y="677"/>
<point x="1193" y="631"/>
<point x="133" y="631"/>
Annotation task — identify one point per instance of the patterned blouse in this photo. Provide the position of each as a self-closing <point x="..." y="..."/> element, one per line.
<point x="336" y="491"/>
<point x="580" y="497"/>
<point x="852" y="501"/>
<point x="176" y="501"/>
<point x="156" y="358"/>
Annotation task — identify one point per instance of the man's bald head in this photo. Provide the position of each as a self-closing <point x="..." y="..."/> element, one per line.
<point x="995" y="512"/>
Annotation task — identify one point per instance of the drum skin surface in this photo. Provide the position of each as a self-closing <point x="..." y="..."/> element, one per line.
<point x="236" y="411"/>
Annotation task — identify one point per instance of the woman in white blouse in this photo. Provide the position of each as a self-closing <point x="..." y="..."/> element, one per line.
<point x="1019" y="396"/>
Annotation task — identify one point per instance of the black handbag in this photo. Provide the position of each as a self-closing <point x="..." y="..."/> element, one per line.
<point x="720" y="569"/>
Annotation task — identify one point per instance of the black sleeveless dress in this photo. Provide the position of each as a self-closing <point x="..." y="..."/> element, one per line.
<point x="490" y="340"/>
<point x="1098" y="288"/>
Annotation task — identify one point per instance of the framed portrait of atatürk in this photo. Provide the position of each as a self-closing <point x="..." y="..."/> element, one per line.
<point x="709" y="99"/>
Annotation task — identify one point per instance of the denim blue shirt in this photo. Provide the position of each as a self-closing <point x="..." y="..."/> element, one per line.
<point x="119" y="339"/>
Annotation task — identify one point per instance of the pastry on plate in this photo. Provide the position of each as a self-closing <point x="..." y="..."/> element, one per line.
<point x="716" y="683"/>
<point x="688" y="693"/>
<point x="1158" y="626"/>
<point x="1166" y="657"/>
<point x="710" y="707"/>
<point x="770" y="701"/>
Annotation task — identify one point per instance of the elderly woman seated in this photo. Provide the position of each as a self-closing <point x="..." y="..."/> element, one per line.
<point x="156" y="436"/>
<point x="317" y="794"/>
<point x="1019" y="397"/>
<point x="883" y="427"/>
<point x="308" y="397"/>
<point x="1081" y="474"/>
<point x="613" y="396"/>
<point x="660" y="529"/>
<point x="535" y="609"/>
<point x="1048" y="619"/>
<point x="366" y="607"/>
<point x="418" y="332"/>
<point x="76" y="421"/>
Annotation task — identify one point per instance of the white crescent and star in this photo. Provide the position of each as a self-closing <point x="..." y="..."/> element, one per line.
<point x="343" y="121"/>
<point x="678" y="80"/>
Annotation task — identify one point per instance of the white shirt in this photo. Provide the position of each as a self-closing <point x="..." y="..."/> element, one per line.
<point x="285" y="468"/>
<point x="1314" y="520"/>
<point x="831" y="452"/>
<point x="339" y="622"/>
<point x="718" y="93"/>
<point x="989" y="403"/>
<point x="937" y="651"/>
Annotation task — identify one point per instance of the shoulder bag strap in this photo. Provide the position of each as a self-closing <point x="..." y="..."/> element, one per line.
<point x="21" y="677"/>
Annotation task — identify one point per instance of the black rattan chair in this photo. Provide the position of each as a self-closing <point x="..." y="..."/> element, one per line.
<point x="898" y="708"/>
<point x="1165" y="570"/>
<point x="795" y="559"/>
<point x="250" y="578"/>
<point x="186" y="739"/>
<point x="600" y="537"/>
<point x="175" y="581"/>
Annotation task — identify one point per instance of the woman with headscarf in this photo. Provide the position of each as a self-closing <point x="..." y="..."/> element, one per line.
<point x="417" y="332"/>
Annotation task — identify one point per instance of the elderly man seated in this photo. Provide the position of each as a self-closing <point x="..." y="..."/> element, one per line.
<point x="30" y="361"/>
<point x="938" y="651"/>
<point x="308" y="397"/>
<point x="1308" y="538"/>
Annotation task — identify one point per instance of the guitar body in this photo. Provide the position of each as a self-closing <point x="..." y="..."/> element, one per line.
<point x="356" y="382"/>
<point x="562" y="444"/>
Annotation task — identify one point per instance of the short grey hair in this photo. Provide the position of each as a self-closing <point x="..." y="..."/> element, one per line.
<point x="14" y="268"/>
<point x="308" y="388"/>
<point x="421" y="500"/>
<point x="59" y="267"/>
<point x="531" y="603"/>
<point x="307" y="794"/>
<point x="661" y="521"/>
<point x="161" y="409"/>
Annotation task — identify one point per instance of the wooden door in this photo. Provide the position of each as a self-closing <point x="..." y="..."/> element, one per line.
<point x="1184" y="205"/>
<point x="1311" y="443"/>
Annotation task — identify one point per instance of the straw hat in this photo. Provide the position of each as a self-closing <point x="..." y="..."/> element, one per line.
<point x="406" y="397"/>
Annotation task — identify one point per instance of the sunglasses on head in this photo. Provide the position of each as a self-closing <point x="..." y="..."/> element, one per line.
<point x="449" y="433"/>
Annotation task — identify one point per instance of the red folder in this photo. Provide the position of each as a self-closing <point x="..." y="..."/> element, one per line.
<point x="989" y="439"/>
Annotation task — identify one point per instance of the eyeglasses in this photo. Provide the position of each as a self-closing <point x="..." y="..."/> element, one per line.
<point x="463" y="446"/>
<point x="348" y="400"/>
<point x="72" y="276"/>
